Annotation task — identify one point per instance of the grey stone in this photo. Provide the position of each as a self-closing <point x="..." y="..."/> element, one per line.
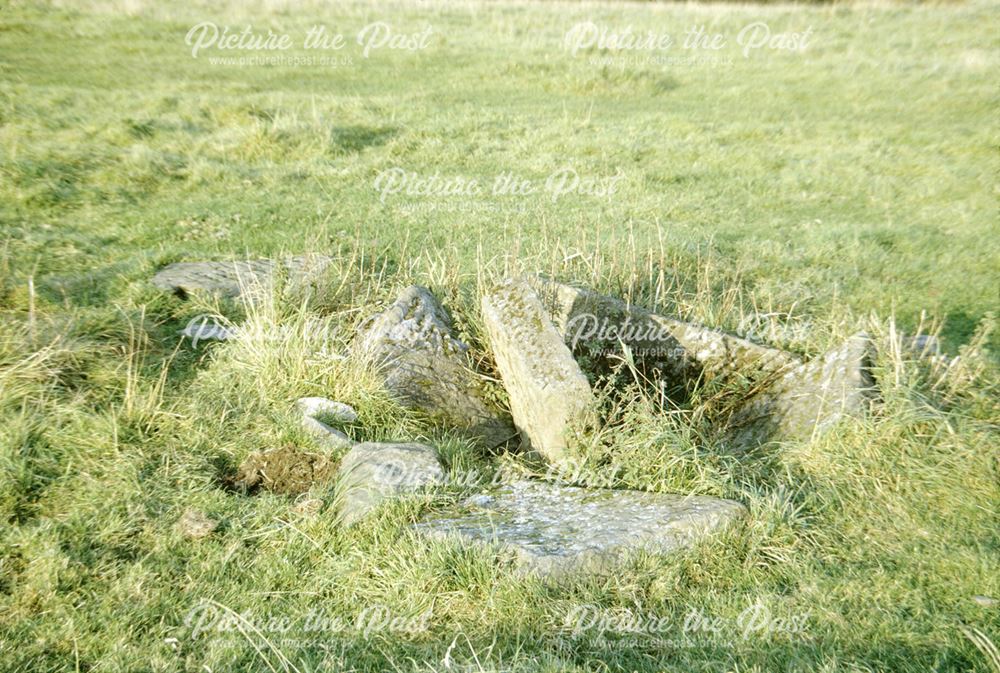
<point x="550" y="398"/>
<point x="559" y="530"/>
<point x="232" y="278"/>
<point x="428" y="369"/>
<point x="322" y="407"/>
<point x="810" y="398"/>
<point x="669" y="351"/>
<point x="326" y="436"/>
<point x="371" y="473"/>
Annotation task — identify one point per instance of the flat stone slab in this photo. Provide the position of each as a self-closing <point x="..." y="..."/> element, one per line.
<point x="556" y="530"/>
<point x="371" y="473"/>
<point x="428" y="369"/>
<point x="230" y="279"/>
<point x="550" y="398"/>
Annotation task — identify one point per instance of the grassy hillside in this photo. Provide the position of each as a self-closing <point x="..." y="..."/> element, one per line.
<point x="795" y="196"/>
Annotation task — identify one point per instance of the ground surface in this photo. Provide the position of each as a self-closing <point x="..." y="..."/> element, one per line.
<point x="792" y="196"/>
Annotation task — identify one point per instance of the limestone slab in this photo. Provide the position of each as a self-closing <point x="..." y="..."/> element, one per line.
<point x="556" y="530"/>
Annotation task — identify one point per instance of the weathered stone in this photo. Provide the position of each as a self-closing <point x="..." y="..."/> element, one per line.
<point x="428" y="369"/>
<point x="556" y="530"/>
<point x="320" y="407"/>
<point x="371" y="473"/>
<point x="666" y="350"/>
<point x="195" y="525"/>
<point x="326" y="436"/>
<point x="550" y="398"/>
<point x="810" y="398"/>
<point x="232" y="278"/>
<point x="287" y="470"/>
<point x="207" y="328"/>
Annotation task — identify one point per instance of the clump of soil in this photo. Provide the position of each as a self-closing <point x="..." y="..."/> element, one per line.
<point x="288" y="470"/>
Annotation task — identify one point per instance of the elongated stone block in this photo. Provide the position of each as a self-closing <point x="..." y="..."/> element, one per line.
<point x="233" y="278"/>
<point x="550" y="398"/>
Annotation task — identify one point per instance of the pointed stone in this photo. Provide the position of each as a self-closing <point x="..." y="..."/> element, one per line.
<point x="557" y="531"/>
<point x="550" y="398"/>
<point x="428" y="369"/>
<point x="810" y="398"/>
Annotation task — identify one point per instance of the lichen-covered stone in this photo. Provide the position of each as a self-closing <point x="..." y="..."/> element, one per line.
<point x="428" y="369"/>
<point x="371" y="473"/>
<point x="810" y="398"/>
<point x="670" y="351"/>
<point x="558" y="530"/>
<point x="550" y="398"/>
<point x="232" y="278"/>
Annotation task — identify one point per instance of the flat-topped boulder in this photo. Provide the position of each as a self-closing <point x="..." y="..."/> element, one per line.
<point x="233" y="278"/>
<point x="428" y="369"/>
<point x="810" y="398"/>
<point x="556" y="530"/>
<point x="550" y="398"/>
<point x="371" y="473"/>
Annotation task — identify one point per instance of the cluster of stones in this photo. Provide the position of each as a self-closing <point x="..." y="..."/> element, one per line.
<point x="540" y="332"/>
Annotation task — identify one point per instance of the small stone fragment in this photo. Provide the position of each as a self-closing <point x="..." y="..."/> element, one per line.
<point x="232" y="278"/>
<point x="428" y="369"/>
<point x="195" y="525"/>
<point x="326" y="436"/>
<point x="550" y="398"/>
<point x="810" y="398"/>
<point x="566" y="530"/>
<point x="371" y="473"/>
<point x="317" y="407"/>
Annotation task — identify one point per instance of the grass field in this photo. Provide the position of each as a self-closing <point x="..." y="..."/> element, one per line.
<point x="791" y="195"/>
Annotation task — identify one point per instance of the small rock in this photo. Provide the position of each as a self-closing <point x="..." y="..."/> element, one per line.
<point x="337" y="412"/>
<point x="327" y="437"/>
<point x="286" y="470"/>
<point x="428" y="369"/>
<point x="558" y="530"/>
<point x="986" y="601"/>
<point x="195" y="525"/>
<point x="550" y="398"/>
<point x="230" y="279"/>
<point x="371" y="473"/>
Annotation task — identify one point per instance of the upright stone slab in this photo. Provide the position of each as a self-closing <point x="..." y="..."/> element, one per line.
<point x="550" y="398"/>
<point x="232" y="278"/>
<point x="428" y="369"/>
<point x="673" y="351"/>
<point x="810" y="398"/>
<point x="372" y="473"/>
<point x="563" y="530"/>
